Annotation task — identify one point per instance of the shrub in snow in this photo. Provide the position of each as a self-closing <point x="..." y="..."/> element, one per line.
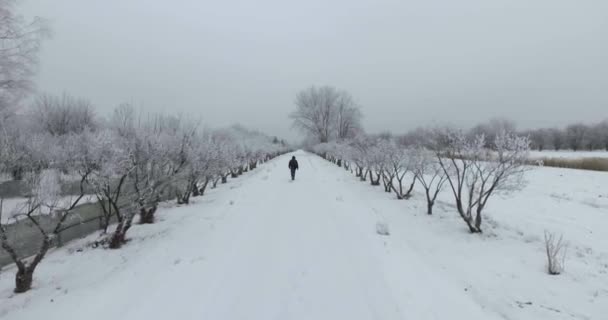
<point x="555" y="249"/>
<point x="382" y="228"/>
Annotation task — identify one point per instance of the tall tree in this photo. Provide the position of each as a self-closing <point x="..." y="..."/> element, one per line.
<point x="20" y="41"/>
<point x="325" y="113"/>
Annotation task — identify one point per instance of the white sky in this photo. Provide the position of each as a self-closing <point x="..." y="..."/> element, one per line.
<point x="538" y="62"/>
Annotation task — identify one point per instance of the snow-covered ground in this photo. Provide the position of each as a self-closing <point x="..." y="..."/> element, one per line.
<point x="263" y="247"/>
<point x="568" y="154"/>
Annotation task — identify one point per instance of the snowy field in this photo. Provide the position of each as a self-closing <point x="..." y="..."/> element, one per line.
<point x="262" y="247"/>
<point x="568" y="154"/>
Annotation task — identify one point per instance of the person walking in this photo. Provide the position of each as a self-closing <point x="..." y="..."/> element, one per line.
<point x="293" y="166"/>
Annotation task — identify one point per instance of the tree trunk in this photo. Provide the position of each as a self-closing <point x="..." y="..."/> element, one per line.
<point x="118" y="238"/>
<point x="201" y="191"/>
<point x="408" y="194"/>
<point x="429" y="202"/>
<point x="388" y="184"/>
<point x="468" y="219"/>
<point x="119" y="235"/>
<point x="24" y="279"/>
<point x="146" y="216"/>
<point x="399" y="192"/>
<point x="17" y="173"/>
<point x="478" y="218"/>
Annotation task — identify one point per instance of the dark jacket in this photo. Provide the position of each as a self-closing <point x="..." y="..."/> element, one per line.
<point x="293" y="164"/>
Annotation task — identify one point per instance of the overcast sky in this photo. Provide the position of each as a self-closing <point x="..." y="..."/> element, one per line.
<point x="408" y="63"/>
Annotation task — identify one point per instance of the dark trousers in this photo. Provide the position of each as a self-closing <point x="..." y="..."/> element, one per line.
<point x="293" y="174"/>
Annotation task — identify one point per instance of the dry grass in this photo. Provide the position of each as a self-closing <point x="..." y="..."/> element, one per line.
<point x="595" y="164"/>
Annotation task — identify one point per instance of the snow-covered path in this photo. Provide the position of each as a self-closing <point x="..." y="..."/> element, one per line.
<point x="268" y="249"/>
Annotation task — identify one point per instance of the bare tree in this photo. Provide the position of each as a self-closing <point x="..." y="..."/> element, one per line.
<point x="325" y="113"/>
<point x="540" y="139"/>
<point x="597" y="136"/>
<point x="399" y="164"/>
<point x="314" y="112"/>
<point x="20" y="41"/>
<point x="63" y="115"/>
<point x="44" y="207"/>
<point x="602" y="130"/>
<point x="109" y="180"/>
<point x="357" y="151"/>
<point x="558" y="138"/>
<point x="576" y="135"/>
<point x="475" y="173"/>
<point x="44" y="194"/>
<point x="123" y="119"/>
<point x="491" y="129"/>
<point x="348" y="117"/>
<point x="430" y="174"/>
<point x="375" y="162"/>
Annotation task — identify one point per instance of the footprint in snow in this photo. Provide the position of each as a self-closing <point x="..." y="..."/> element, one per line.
<point x="382" y="228"/>
<point x="197" y="259"/>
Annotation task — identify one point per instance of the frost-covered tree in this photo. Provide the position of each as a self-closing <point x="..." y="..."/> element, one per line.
<point x="491" y="129"/>
<point x="20" y="41"/>
<point x="44" y="206"/>
<point x="601" y="129"/>
<point x="64" y="114"/>
<point x="429" y="173"/>
<point x="24" y="150"/>
<point x="44" y="195"/>
<point x="198" y="171"/>
<point x="347" y="117"/>
<point x="577" y="136"/>
<point x="325" y="113"/>
<point x="358" y="151"/>
<point x="376" y="161"/>
<point x="475" y="173"/>
<point x="109" y="180"/>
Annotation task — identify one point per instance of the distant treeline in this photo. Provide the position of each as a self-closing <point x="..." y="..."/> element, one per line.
<point x="576" y="137"/>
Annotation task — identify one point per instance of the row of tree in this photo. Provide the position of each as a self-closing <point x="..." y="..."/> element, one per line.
<point x="472" y="168"/>
<point x="474" y="164"/>
<point x="326" y="114"/>
<point x="129" y="162"/>
<point x="576" y="137"/>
